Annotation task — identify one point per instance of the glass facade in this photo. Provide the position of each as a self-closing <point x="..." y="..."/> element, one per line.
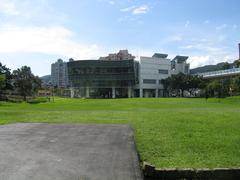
<point x="102" y="74"/>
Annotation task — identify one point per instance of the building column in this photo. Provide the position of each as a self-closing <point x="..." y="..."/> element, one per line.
<point x="113" y="92"/>
<point x="72" y="92"/>
<point x="129" y="92"/>
<point x="156" y="93"/>
<point x="87" y="92"/>
<point x="141" y="93"/>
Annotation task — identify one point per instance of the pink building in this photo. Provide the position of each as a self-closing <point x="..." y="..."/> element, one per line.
<point x="121" y="55"/>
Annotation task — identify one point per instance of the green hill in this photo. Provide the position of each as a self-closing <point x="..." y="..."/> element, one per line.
<point x="46" y="79"/>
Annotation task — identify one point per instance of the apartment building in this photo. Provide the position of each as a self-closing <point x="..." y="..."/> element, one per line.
<point x="59" y="74"/>
<point x="121" y="55"/>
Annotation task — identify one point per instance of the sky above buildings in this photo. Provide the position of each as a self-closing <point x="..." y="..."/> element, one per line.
<point x="38" y="32"/>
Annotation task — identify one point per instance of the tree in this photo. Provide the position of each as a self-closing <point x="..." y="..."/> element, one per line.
<point x="237" y="63"/>
<point x="235" y="84"/>
<point x="8" y="76"/>
<point x="226" y="84"/>
<point x="25" y="82"/>
<point x="214" y="87"/>
<point x="182" y="82"/>
<point x="166" y="86"/>
<point x="226" y="65"/>
<point x="194" y="83"/>
<point x="2" y="84"/>
<point x="2" y="81"/>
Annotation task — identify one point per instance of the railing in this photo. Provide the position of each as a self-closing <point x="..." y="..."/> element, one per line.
<point x="227" y="72"/>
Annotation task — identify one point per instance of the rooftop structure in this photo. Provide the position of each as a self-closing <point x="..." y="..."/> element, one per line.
<point x="121" y="55"/>
<point x="158" y="55"/>
<point x="179" y="64"/>
<point x="180" y="59"/>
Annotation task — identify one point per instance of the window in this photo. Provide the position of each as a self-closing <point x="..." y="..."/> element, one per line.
<point x="149" y="81"/>
<point x="163" y="71"/>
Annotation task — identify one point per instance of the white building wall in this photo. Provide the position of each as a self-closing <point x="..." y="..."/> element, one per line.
<point x="149" y="71"/>
<point x="181" y="68"/>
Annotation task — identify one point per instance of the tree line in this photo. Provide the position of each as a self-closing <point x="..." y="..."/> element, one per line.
<point x="194" y="85"/>
<point x="20" y="81"/>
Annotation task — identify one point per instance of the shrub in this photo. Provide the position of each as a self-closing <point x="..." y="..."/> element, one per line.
<point x="38" y="100"/>
<point x="12" y="100"/>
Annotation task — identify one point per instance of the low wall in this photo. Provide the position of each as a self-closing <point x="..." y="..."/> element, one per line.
<point x="151" y="173"/>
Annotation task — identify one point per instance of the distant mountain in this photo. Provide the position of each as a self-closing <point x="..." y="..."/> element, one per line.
<point x="209" y="68"/>
<point x="46" y="79"/>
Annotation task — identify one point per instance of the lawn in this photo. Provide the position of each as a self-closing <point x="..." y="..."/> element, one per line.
<point x="169" y="133"/>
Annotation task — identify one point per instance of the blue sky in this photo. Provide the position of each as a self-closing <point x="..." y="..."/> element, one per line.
<point x="38" y="32"/>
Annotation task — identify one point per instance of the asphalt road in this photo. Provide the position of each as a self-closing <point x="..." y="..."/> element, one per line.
<point x="68" y="152"/>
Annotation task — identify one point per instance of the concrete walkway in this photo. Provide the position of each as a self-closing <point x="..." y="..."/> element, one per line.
<point x="67" y="152"/>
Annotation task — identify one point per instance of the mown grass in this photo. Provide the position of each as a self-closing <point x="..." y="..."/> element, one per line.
<point x="169" y="133"/>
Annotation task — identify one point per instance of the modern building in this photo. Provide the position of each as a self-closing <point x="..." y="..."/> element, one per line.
<point x="152" y="70"/>
<point x="179" y="65"/>
<point x="59" y="74"/>
<point x="103" y="78"/>
<point x="121" y="55"/>
<point x="118" y="75"/>
<point x="156" y="68"/>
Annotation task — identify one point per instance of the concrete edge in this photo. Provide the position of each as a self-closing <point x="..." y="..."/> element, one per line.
<point x="139" y="173"/>
<point x="152" y="173"/>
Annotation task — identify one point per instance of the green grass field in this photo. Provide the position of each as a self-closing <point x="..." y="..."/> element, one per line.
<point x="169" y="133"/>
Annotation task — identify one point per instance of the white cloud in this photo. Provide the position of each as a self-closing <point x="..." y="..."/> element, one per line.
<point x="140" y="10"/>
<point x="198" y="61"/>
<point x="208" y="51"/>
<point x="211" y="59"/>
<point x="8" y="7"/>
<point x="55" y="40"/>
<point x="111" y="2"/>
<point x="127" y="9"/>
<point x="136" y="10"/>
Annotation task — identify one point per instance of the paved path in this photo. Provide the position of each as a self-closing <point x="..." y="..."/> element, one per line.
<point x="67" y="152"/>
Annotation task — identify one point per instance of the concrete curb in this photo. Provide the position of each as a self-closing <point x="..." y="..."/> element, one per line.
<point x="151" y="173"/>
